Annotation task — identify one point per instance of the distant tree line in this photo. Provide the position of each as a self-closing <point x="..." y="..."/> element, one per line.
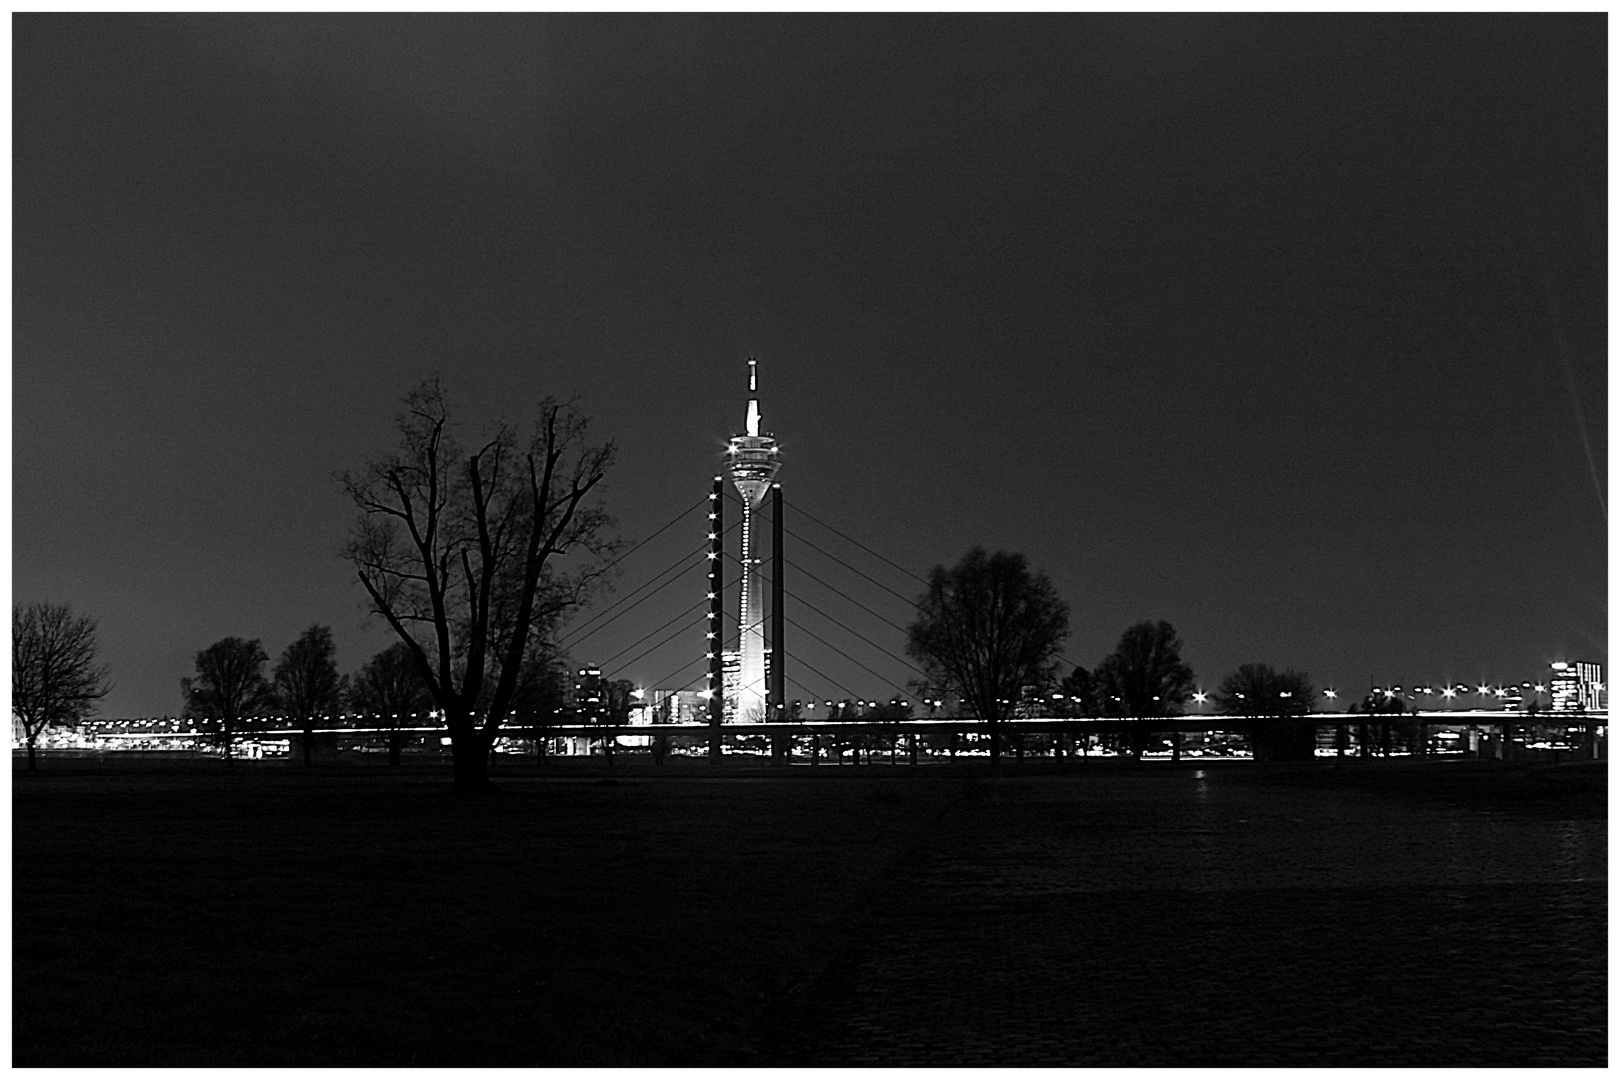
<point x="989" y="633"/>
<point x="233" y="688"/>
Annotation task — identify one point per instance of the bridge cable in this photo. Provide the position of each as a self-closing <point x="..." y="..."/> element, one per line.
<point x="604" y="664"/>
<point x="664" y="642"/>
<point x="677" y="671"/>
<point x="799" y="508"/>
<point x="843" y="626"/>
<point x="911" y="600"/>
<point x="857" y="633"/>
<point x="882" y="678"/>
<point x="846" y="596"/>
<point x="573" y="637"/>
<point x="795" y="659"/>
<point x="655" y="535"/>
<point x="577" y="636"/>
<point x="829" y="678"/>
<point x="840" y="652"/>
<point x="1060" y="655"/>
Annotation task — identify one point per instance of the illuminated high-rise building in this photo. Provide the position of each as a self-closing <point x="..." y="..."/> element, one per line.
<point x="755" y="459"/>
<point x="1577" y="687"/>
<point x="731" y="680"/>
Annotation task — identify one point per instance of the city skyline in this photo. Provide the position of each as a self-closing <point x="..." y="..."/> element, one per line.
<point x="1318" y="377"/>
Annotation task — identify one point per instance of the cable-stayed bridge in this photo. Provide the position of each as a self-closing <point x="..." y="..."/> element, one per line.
<point x="844" y="624"/>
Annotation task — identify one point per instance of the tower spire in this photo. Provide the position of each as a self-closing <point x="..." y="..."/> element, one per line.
<point x="753" y="400"/>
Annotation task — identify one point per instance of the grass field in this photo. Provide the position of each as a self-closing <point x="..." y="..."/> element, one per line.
<point x="194" y="915"/>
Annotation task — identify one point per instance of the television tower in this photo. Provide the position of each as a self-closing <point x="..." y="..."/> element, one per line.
<point x="754" y="461"/>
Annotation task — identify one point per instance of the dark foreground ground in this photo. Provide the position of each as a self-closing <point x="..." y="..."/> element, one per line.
<point x="1385" y="913"/>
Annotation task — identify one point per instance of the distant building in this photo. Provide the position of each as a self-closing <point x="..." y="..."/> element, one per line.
<point x="731" y="676"/>
<point x="590" y="695"/>
<point x="730" y="681"/>
<point x="687" y="707"/>
<point x="590" y="707"/>
<point x="677" y="707"/>
<point x="1577" y="687"/>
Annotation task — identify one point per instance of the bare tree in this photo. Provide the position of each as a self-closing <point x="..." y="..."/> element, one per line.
<point x="453" y="551"/>
<point x="389" y="691"/>
<point x="1268" y="697"/>
<point x="540" y="695"/>
<point x="229" y="688"/>
<point x="618" y="697"/>
<point x="307" y="681"/>
<point x="55" y="680"/>
<point x="1144" y="678"/>
<point x="1079" y="693"/>
<point x="987" y="628"/>
<point x="541" y="700"/>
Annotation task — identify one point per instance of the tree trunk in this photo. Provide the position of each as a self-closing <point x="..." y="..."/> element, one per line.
<point x="395" y="748"/>
<point x="309" y="743"/>
<point x="30" y="753"/>
<point x="469" y="755"/>
<point x="995" y="745"/>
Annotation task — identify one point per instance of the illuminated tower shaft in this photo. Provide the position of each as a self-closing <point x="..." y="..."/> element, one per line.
<point x="754" y="461"/>
<point x="751" y="625"/>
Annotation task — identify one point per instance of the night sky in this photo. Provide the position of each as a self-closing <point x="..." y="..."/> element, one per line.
<point x="1287" y="329"/>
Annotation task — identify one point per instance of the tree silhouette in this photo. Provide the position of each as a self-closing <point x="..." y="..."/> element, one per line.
<point x="55" y="680"/>
<point x="1268" y="697"/>
<point x="1385" y="704"/>
<point x="229" y="688"/>
<point x="1144" y="679"/>
<point x="389" y="691"/>
<point x="307" y="682"/>
<point x="618" y="697"/>
<point x="987" y="628"/>
<point x="454" y="550"/>
<point x="1079" y="690"/>
<point x="541" y="699"/>
<point x="1079" y="693"/>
